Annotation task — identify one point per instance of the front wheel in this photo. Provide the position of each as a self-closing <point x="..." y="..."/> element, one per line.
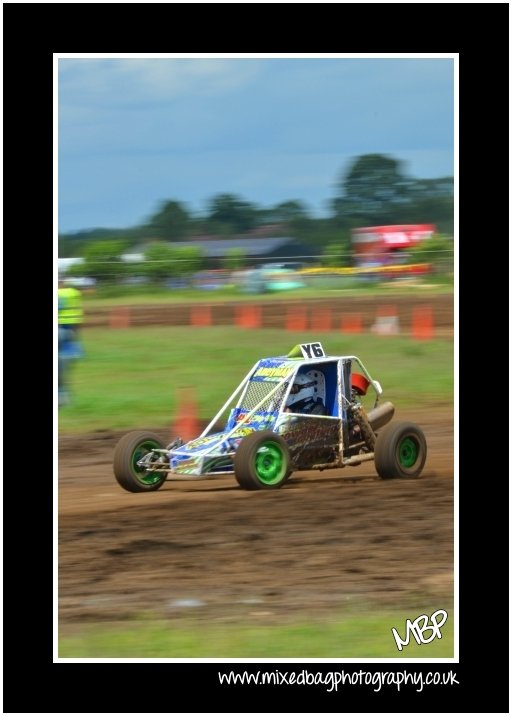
<point x="132" y="448"/>
<point x="400" y="451"/>
<point x="262" y="461"/>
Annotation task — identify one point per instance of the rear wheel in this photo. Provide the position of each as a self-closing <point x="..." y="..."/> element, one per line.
<point x="130" y="449"/>
<point x="262" y="461"/>
<point x="400" y="451"/>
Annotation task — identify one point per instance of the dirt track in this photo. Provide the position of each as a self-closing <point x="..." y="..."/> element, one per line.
<point x="274" y="313"/>
<point x="208" y="549"/>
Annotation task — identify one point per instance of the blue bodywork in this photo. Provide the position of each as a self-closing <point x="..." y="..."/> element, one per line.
<point x="313" y="440"/>
<point x="213" y="453"/>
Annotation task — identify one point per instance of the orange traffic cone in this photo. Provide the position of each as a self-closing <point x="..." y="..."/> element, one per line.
<point x="422" y="323"/>
<point x="186" y="423"/>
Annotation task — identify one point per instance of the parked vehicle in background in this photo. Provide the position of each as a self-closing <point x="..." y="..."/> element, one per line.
<point x="271" y="277"/>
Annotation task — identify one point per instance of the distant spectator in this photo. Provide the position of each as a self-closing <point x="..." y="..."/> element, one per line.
<point x="70" y="321"/>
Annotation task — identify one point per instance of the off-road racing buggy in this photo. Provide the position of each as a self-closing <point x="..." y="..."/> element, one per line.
<point x="265" y="439"/>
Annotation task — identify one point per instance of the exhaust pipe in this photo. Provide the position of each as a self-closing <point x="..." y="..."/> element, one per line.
<point x="381" y="415"/>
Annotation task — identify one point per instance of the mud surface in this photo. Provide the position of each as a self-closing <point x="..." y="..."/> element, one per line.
<point x="210" y="550"/>
<point x="318" y="314"/>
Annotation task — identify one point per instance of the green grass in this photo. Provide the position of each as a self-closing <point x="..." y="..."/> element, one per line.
<point x="131" y="377"/>
<point x="320" y="288"/>
<point x="355" y="636"/>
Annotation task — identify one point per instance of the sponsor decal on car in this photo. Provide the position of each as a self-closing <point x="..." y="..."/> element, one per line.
<point x="273" y="372"/>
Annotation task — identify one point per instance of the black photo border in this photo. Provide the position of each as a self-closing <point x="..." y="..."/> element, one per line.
<point x="32" y="33"/>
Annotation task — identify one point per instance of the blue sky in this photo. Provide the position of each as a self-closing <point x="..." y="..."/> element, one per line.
<point x="136" y="132"/>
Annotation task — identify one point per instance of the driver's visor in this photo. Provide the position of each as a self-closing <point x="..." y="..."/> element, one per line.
<point x="297" y="388"/>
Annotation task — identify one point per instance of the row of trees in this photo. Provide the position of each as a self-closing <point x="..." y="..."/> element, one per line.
<point x="103" y="260"/>
<point x="374" y="190"/>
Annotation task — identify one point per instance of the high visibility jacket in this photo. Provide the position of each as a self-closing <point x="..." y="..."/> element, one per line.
<point x="70" y="306"/>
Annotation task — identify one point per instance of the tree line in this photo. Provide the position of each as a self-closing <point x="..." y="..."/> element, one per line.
<point x="374" y="190"/>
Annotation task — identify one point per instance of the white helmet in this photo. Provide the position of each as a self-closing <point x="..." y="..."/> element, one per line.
<point x="307" y="385"/>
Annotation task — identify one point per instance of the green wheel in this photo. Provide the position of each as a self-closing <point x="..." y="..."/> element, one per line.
<point x="129" y="450"/>
<point x="262" y="461"/>
<point x="400" y="451"/>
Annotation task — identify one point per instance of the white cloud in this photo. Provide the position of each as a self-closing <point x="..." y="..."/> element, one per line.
<point x="135" y="131"/>
<point x="118" y="82"/>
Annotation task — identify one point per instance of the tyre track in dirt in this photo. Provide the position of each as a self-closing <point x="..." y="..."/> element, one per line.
<point x="324" y="542"/>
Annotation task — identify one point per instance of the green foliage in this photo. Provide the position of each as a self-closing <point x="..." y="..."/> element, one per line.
<point x="373" y="183"/>
<point x="75" y="270"/>
<point x="287" y="212"/>
<point x="170" y="223"/>
<point x="437" y="251"/>
<point x="189" y="259"/>
<point x="163" y="261"/>
<point x="69" y="246"/>
<point x="335" y="254"/>
<point x="74" y="245"/>
<point x="102" y="260"/>
<point x="234" y="260"/>
<point x="374" y="190"/>
<point x="135" y="268"/>
<point x="429" y="201"/>
<point x="320" y="234"/>
<point x="228" y="214"/>
<point x="159" y="261"/>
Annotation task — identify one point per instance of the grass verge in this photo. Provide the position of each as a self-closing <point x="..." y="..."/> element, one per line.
<point x="339" y="287"/>
<point x="130" y="377"/>
<point x="356" y="636"/>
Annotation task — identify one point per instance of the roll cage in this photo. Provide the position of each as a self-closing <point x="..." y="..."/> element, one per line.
<point x="262" y="394"/>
